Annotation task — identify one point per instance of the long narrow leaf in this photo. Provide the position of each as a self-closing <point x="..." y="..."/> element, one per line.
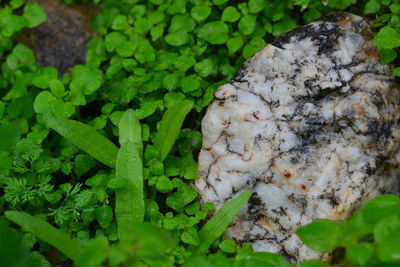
<point x="46" y="232"/>
<point x="217" y="225"/>
<point x="130" y="130"/>
<point x="170" y="126"/>
<point x="129" y="206"/>
<point x="86" y="138"/>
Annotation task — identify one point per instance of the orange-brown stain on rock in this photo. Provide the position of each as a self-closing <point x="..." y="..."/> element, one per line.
<point x="288" y="173"/>
<point x="360" y="109"/>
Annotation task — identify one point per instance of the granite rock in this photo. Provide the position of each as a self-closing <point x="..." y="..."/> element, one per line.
<point x="311" y="125"/>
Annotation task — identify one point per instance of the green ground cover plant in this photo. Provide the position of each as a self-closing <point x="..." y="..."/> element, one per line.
<point x="96" y="164"/>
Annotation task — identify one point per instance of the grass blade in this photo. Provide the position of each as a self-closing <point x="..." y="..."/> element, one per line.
<point x="46" y="232"/>
<point x="130" y="130"/>
<point x="217" y="225"/>
<point x="170" y="126"/>
<point x="129" y="206"/>
<point x="86" y="138"/>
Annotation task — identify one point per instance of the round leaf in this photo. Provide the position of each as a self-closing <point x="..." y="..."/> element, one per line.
<point x="177" y="39"/>
<point x="215" y="32"/>
<point x="230" y="14"/>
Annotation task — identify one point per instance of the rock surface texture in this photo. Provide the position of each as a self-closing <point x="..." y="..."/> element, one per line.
<point x="311" y="125"/>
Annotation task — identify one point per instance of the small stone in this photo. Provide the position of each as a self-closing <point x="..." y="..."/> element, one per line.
<point x="61" y="41"/>
<point x="311" y="125"/>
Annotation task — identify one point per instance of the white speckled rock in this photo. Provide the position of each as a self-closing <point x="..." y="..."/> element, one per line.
<point x="311" y="125"/>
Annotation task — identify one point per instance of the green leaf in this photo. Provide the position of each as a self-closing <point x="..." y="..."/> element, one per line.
<point x="200" y="260"/>
<point x="224" y="216"/>
<point x="321" y="235"/>
<point x="360" y="254"/>
<point x="340" y="4"/>
<point x="120" y="23"/>
<point x="256" y="6"/>
<point x="113" y="40"/>
<point x="21" y="56"/>
<point x="215" y="32"/>
<point x="204" y="67"/>
<point x="171" y="81"/>
<point x="147" y="108"/>
<point x="170" y="126"/>
<point x="46" y="74"/>
<point x="234" y="44"/>
<point x="190" y="84"/>
<point x="200" y="13"/>
<point x="230" y="14"/>
<point x="129" y="207"/>
<point x="34" y="14"/>
<point x="86" y="80"/>
<point x="149" y="243"/>
<point x="395" y="8"/>
<point x="164" y="184"/>
<point x="95" y="252"/>
<point x="228" y="246"/>
<point x="116" y="183"/>
<point x="156" y="168"/>
<point x="372" y="6"/>
<point x="62" y="109"/>
<point x="156" y="17"/>
<point x="397" y="71"/>
<point x="83" y="163"/>
<point x="380" y="208"/>
<point x="179" y="199"/>
<point x="96" y="52"/>
<point x="220" y="2"/>
<point x="142" y="25"/>
<point x="264" y="259"/>
<point x="104" y="215"/>
<point x="5" y="164"/>
<point x="177" y="39"/>
<point x="57" y="88"/>
<point x="387" y="237"/>
<point x="172" y="98"/>
<point x="182" y="23"/>
<point x="130" y="130"/>
<point x="387" y="55"/>
<point x="44" y="231"/>
<point x="356" y="227"/>
<point x="184" y="63"/>
<point x="86" y="138"/>
<point x="16" y="3"/>
<point x="191" y="237"/>
<point x="387" y="37"/>
<point x="177" y="6"/>
<point x="11" y="23"/>
<point x="156" y="32"/>
<point x="314" y="263"/>
<point x="9" y="135"/>
<point x="2" y="109"/>
<point x="283" y="26"/>
<point x="43" y="102"/>
<point x="126" y="49"/>
<point x="253" y="46"/>
<point x="46" y="103"/>
<point x="247" y="24"/>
